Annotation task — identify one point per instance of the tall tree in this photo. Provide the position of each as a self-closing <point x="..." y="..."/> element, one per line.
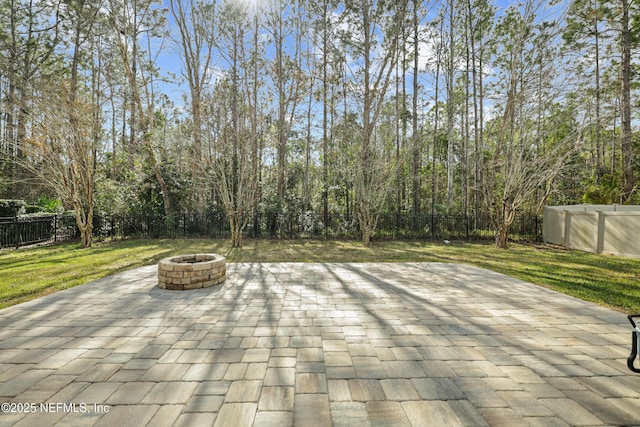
<point x="583" y="33"/>
<point x="133" y="21"/>
<point x="324" y="24"/>
<point x="416" y="151"/>
<point x="195" y="22"/>
<point x="230" y="122"/>
<point x="450" y="76"/>
<point x="479" y="19"/>
<point x="626" y="41"/>
<point x="255" y="82"/>
<point x="375" y="38"/>
<point x="518" y="169"/>
<point x="605" y="31"/>
<point x="66" y="138"/>
<point x="283" y="22"/>
<point x="437" y="63"/>
<point x="66" y="142"/>
<point x="29" y="38"/>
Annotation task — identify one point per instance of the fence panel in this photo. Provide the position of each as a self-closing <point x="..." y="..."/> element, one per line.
<point x="30" y="230"/>
<point x="7" y="232"/>
<point x="15" y="232"/>
<point x="26" y="230"/>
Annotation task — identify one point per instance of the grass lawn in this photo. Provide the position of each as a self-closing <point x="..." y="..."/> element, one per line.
<point x="607" y="280"/>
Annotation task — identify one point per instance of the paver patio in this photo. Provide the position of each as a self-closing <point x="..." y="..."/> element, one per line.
<point x="422" y="344"/>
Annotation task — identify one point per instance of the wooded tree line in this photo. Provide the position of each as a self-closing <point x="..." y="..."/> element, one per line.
<point x="333" y="109"/>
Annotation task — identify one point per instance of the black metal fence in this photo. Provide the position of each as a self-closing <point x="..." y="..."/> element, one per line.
<point x="29" y="230"/>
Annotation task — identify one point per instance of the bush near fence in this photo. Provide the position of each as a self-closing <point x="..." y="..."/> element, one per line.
<point x="12" y="208"/>
<point x="29" y="230"/>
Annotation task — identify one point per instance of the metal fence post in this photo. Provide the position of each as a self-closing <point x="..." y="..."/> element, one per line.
<point x="433" y="231"/>
<point x="466" y="226"/>
<point x="16" y="240"/>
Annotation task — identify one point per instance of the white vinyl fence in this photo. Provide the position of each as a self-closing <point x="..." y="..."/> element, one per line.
<point x="601" y="229"/>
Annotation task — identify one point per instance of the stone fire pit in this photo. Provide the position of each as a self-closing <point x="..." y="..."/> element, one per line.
<point x="191" y="271"/>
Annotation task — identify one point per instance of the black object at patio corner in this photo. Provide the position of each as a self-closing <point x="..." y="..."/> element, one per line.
<point x="635" y="343"/>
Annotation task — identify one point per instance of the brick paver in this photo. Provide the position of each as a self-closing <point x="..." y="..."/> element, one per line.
<point x="317" y="344"/>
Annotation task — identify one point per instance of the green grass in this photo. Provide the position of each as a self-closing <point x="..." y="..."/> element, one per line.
<point x="607" y="280"/>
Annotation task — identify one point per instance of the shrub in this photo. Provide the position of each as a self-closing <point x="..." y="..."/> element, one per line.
<point x="11" y="208"/>
<point x="33" y="209"/>
<point x="47" y="204"/>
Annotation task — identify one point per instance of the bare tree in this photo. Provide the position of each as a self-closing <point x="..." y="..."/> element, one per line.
<point x="231" y="164"/>
<point x="374" y="45"/>
<point x="283" y="22"/>
<point x="525" y="173"/>
<point x="30" y="34"/>
<point x="130" y="21"/>
<point x="518" y="169"/>
<point x="195" y="23"/>
<point x="66" y="130"/>
<point x="64" y="147"/>
<point x="231" y="126"/>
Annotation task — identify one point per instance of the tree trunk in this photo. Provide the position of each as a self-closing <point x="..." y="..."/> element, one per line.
<point x="256" y="158"/>
<point x="367" y="226"/>
<point x="325" y="113"/>
<point x="627" y="149"/>
<point x="235" y="224"/>
<point x="599" y="150"/>
<point x="476" y="137"/>
<point x="502" y="239"/>
<point x="506" y="217"/>
<point x="363" y="198"/>
<point x="84" y="220"/>
<point x="415" y="190"/>
<point x="366" y="237"/>
<point x="157" y="170"/>
<point x="436" y="123"/>
<point x="450" y="106"/>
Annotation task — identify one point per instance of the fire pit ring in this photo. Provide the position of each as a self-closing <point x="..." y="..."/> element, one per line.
<point x="193" y="271"/>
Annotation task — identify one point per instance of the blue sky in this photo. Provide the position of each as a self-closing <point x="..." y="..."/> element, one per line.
<point x="170" y="63"/>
